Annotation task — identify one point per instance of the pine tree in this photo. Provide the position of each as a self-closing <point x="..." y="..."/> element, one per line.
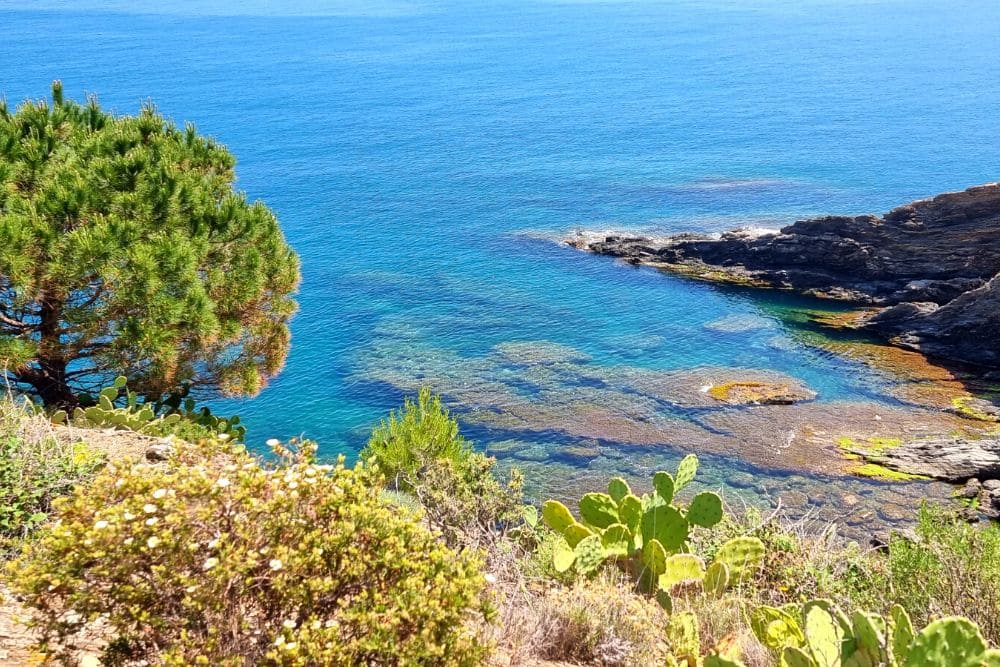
<point x="126" y="250"/>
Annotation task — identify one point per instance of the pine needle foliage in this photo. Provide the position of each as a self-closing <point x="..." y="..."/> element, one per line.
<point x="125" y="249"/>
<point x="413" y="437"/>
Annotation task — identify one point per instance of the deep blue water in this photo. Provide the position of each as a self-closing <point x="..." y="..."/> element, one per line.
<point x="422" y="155"/>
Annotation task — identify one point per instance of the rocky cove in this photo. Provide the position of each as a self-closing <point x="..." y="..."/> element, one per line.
<point x="921" y="291"/>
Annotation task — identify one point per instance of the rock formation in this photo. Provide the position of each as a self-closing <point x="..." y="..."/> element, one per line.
<point x="931" y="265"/>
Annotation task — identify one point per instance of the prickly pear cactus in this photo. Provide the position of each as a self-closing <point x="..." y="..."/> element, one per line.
<point x="705" y="510"/>
<point x="741" y="554"/>
<point x="686" y="470"/>
<point x="557" y="516"/>
<point x="615" y="540"/>
<point x="680" y="568"/>
<point x="824" y="636"/>
<point x="576" y="532"/>
<point x="716" y="579"/>
<point x="666" y="525"/>
<point x="654" y="557"/>
<point x="598" y="509"/>
<point x="948" y="642"/>
<point x="900" y="635"/>
<point x="776" y="628"/>
<point x="682" y="634"/>
<point x="589" y="555"/>
<point x="563" y="557"/>
<point x="618" y="488"/>
<point x="663" y="483"/>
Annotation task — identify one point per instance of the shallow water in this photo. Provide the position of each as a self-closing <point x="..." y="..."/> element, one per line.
<point x="422" y="157"/>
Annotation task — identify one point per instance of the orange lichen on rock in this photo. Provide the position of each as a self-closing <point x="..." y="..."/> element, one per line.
<point x="759" y="393"/>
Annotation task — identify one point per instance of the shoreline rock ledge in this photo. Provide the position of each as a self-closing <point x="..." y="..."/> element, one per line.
<point x="929" y="268"/>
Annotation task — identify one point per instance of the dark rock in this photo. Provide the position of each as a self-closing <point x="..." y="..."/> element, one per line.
<point x="971" y="489"/>
<point x="935" y="260"/>
<point x="160" y="451"/>
<point x="949" y="458"/>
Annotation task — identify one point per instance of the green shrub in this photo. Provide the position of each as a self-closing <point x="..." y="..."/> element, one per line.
<point x="465" y="500"/>
<point x="35" y="468"/>
<point x="957" y="566"/>
<point x="412" y="437"/>
<point x="215" y="559"/>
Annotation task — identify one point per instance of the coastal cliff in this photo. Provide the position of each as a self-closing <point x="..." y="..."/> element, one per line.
<point x="929" y="268"/>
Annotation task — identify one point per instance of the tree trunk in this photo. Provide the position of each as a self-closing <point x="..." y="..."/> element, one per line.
<point x="49" y="378"/>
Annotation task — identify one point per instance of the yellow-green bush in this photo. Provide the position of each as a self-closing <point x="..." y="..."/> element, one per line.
<point x="35" y="468"/>
<point x="217" y="559"/>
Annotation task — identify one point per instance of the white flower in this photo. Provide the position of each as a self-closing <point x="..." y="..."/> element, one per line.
<point x="293" y="484"/>
<point x="275" y="564"/>
<point x="290" y="646"/>
<point x="273" y="442"/>
<point x="128" y="516"/>
<point x="100" y="524"/>
<point x="490" y="579"/>
<point x="223" y="437"/>
<point x="289" y="624"/>
<point x="159" y="493"/>
<point x="129" y="541"/>
<point x="152" y="542"/>
<point x="223" y="482"/>
<point x="149" y="508"/>
<point x="151" y="521"/>
<point x="213" y="544"/>
<point x="210" y="563"/>
<point x="279" y="641"/>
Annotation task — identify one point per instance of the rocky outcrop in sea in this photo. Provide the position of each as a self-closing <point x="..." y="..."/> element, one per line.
<point x="930" y="268"/>
<point x="928" y="276"/>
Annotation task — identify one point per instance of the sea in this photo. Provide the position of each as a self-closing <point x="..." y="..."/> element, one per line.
<point x="426" y="158"/>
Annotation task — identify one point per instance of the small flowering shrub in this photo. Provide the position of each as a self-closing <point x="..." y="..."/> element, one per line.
<point x="217" y="559"/>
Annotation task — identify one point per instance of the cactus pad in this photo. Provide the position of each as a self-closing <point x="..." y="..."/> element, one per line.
<point x="947" y="642"/>
<point x="900" y="634"/>
<point x="686" y="470"/>
<point x="563" y="557"/>
<point x="682" y="633"/>
<point x="665" y="524"/>
<point x="705" y="510"/>
<point x="664" y="485"/>
<point x="716" y="578"/>
<point x="654" y="557"/>
<point x="598" y="509"/>
<point x="776" y="628"/>
<point x="741" y="554"/>
<point x="823" y="635"/>
<point x="793" y="656"/>
<point x="630" y="512"/>
<point x="679" y="568"/>
<point x="557" y="516"/>
<point x="615" y="540"/>
<point x="589" y="555"/>
<point x="618" y="488"/>
<point x="576" y="532"/>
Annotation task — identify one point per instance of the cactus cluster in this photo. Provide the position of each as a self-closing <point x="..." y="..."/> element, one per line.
<point x="119" y="408"/>
<point x="648" y="535"/>
<point x="818" y="634"/>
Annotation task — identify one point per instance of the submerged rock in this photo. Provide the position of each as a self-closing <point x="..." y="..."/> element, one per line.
<point x="760" y="393"/>
<point x="932" y="263"/>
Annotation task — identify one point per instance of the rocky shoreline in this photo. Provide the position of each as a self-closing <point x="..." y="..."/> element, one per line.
<point x="929" y="268"/>
<point x="926" y="277"/>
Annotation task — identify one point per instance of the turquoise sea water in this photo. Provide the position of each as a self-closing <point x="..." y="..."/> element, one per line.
<point x="423" y="156"/>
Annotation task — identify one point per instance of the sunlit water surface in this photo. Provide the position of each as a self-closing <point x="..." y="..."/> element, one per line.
<point x="423" y="157"/>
